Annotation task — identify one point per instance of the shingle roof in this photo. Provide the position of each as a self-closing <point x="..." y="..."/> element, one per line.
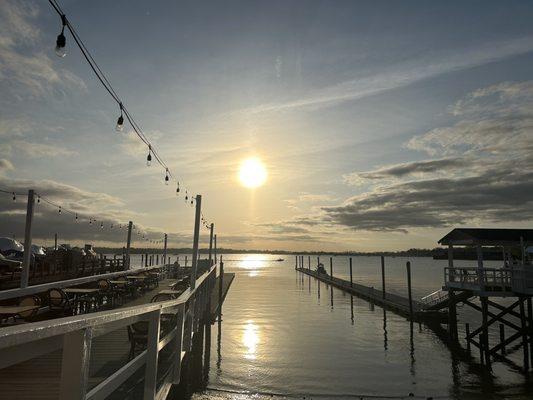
<point x="487" y="237"/>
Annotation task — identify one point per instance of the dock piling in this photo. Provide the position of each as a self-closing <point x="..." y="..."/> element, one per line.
<point x="351" y="273"/>
<point x="502" y="338"/>
<point x="408" y="266"/>
<point x="128" y="245"/>
<point x="331" y="267"/>
<point x="467" y="332"/>
<point x="383" y="275"/>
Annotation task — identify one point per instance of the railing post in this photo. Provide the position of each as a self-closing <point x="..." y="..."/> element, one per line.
<point x="75" y="364"/>
<point x="215" y="247"/>
<point x="195" y="240"/>
<point x="351" y="274"/>
<point x="211" y="228"/>
<point x="152" y="354"/>
<point x="331" y="268"/>
<point x="128" y="245"/>
<point x="178" y="345"/>
<point x="26" y="261"/>
<point x="220" y="286"/>
<point x="165" y="250"/>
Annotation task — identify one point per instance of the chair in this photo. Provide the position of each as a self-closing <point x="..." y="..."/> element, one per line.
<point x="59" y="301"/>
<point x="138" y="337"/>
<point x="107" y="292"/>
<point x="31" y="300"/>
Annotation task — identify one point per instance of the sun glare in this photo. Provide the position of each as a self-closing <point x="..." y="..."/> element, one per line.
<point x="252" y="173"/>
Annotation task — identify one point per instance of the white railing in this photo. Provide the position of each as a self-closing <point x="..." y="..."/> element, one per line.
<point x="499" y="279"/>
<point x="434" y="298"/>
<point x="74" y="334"/>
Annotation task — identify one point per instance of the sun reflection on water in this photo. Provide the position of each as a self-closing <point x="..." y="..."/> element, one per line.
<point x="250" y="339"/>
<point x="253" y="263"/>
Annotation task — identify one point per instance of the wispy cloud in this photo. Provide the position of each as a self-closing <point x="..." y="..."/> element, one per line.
<point x="401" y="75"/>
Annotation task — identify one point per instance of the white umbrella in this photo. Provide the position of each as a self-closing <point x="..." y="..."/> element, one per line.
<point x="7" y="244"/>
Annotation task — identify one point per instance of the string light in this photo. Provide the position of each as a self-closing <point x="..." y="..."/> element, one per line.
<point x="166" y="177"/>
<point x="101" y="225"/>
<point x="178" y="189"/>
<point x="76" y="217"/>
<point x="120" y="120"/>
<point x="59" y="211"/>
<point x="14" y="197"/>
<point x="38" y="199"/>
<point x="149" y="157"/>
<point x="61" y="41"/>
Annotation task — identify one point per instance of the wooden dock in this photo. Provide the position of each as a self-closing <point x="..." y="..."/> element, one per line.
<point x="390" y="301"/>
<point x="227" y="279"/>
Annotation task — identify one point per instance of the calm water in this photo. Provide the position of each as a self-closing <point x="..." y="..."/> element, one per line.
<point x="280" y="336"/>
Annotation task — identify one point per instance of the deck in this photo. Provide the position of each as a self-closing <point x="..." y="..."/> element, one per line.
<point x="227" y="280"/>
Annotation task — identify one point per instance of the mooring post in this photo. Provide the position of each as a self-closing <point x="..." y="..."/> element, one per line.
<point x="317" y="261"/>
<point x="128" y="245"/>
<point x="383" y="275"/>
<point x="157" y="259"/>
<point x="331" y="268"/>
<point x="142" y="259"/>
<point x="351" y="274"/>
<point x="295" y="262"/>
<point x="467" y="331"/>
<point x="211" y="229"/>
<point x="481" y="348"/>
<point x="195" y="240"/>
<point x="309" y="263"/>
<point x="502" y="338"/>
<point x="26" y="258"/>
<point x="408" y="266"/>
<point x="165" y="250"/>
<point x="146" y="260"/>
<point x="186" y="260"/>
<point x="452" y="316"/>
<point x="55" y="241"/>
<point x="215" y="247"/>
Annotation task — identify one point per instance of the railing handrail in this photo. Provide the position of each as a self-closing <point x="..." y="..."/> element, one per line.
<point x="20" y="334"/>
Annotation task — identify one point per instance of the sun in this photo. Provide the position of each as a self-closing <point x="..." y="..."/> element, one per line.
<point x="252" y="173"/>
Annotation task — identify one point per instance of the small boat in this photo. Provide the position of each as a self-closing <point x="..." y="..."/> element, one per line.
<point x="280" y="259"/>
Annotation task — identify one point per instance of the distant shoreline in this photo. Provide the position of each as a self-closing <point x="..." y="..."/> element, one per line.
<point x="489" y="253"/>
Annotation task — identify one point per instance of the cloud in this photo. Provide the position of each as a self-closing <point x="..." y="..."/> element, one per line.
<point x="418" y="168"/>
<point x="24" y="68"/>
<point x="490" y="178"/>
<point x="5" y="165"/>
<point x="404" y="74"/>
<point x="35" y="150"/>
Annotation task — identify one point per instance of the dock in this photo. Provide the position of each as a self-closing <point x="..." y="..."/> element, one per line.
<point x="396" y="303"/>
<point x="219" y="293"/>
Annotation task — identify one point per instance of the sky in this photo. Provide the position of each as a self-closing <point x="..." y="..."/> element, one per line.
<point x="382" y="125"/>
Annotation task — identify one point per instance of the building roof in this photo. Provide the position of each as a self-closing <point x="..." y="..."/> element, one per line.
<point x="487" y="237"/>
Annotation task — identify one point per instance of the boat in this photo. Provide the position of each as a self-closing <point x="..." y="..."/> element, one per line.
<point x="280" y="259"/>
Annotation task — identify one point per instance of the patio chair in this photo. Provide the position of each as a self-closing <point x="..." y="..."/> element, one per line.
<point x="31" y="300"/>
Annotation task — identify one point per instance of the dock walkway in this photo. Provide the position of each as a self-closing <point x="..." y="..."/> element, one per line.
<point x="226" y="283"/>
<point x="391" y="301"/>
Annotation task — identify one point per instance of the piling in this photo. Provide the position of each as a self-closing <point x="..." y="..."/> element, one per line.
<point x="530" y="325"/>
<point x="485" y="341"/>
<point x="157" y="260"/>
<point x="408" y="266"/>
<point x="524" y="334"/>
<point x="383" y="275"/>
<point x="331" y="267"/>
<point x="351" y="273"/>
<point x="502" y="338"/>
<point x="220" y="288"/>
<point x="467" y="332"/>
<point x="309" y="262"/>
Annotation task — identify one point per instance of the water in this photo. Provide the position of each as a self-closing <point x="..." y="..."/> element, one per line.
<point x="278" y="336"/>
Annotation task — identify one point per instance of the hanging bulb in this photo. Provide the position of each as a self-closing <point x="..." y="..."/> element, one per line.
<point x="38" y="199"/>
<point x="166" y="177"/>
<point x="59" y="211"/>
<point x="149" y="157"/>
<point x="111" y="226"/>
<point x="76" y="217"/>
<point x="178" y="189"/>
<point x="90" y="221"/>
<point x="120" y="120"/>
<point x="14" y="197"/>
<point x="101" y="225"/>
<point x="61" y="41"/>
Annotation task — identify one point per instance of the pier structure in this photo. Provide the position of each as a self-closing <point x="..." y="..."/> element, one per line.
<point x="484" y="289"/>
<point x="405" y="306"/>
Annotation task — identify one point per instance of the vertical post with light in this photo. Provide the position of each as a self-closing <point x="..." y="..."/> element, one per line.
<point x="128" y="245"/>
<point x="211" y="229"/>
<point x="195" y="240"/>
<point x="26" y="260"/>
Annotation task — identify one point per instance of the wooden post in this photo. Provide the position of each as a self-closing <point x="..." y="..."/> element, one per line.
<point x="211" y="228"/>
<point x="522" y="250"/>
<point x="128" y="245"/>
<point x="152" y="354"/>
<point x="26" y="258"/>
<point x="452" y="316"/>
<point x="467" y="331"/>
<point x="484" y="343"/>
<point x="502" y="338"/>
<point x="55" y="241"/>
<point x="146" y="260"/>
<point x="186" y="260"/>
<point x="351" y="275"/>
<point x="309" y="263"/>
<point x="75" y="364"/>
<point x="195" y="240"/>
<point x="165" y="250"/>
<point x="142" y="259"/>
<point x="331" y="267"/>
<point x="530" y="325"/>
<point x="408" y="266"/>
<point x="178" y="344"/>
<point x="296" y="262"/>
<point x="383" y="275"/>
<point x="220" y="287"/>
<point x="157" y="259"/>
<point x="215" y="247"/>
<point x="523" y="326"/>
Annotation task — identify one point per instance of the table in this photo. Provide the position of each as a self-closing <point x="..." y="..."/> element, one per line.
<point x="13" y="311"/>
<point x="118" y="282"/>
<point x="135" y="277"/>
<point x="81" y="291"/>
<point x="83" y="304"/>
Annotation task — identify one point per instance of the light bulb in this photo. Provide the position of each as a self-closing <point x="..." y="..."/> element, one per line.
<point x="59" y="210"/>
<point x="166" y="178"/>
<point x="149" y="157"/>
<point x="14" y="197"/>
<point x="61" y="42"/>
<point x="178" y="189"/>
<point x="120" y="124"/>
